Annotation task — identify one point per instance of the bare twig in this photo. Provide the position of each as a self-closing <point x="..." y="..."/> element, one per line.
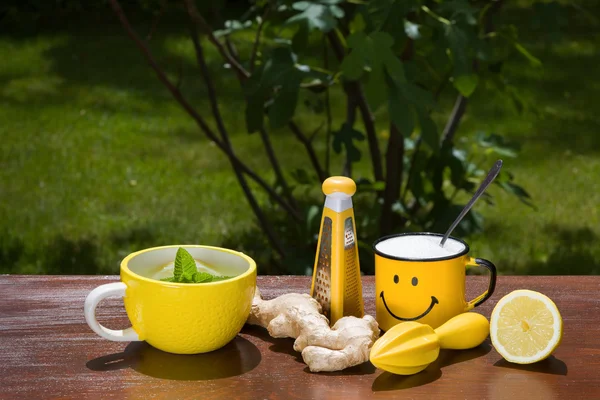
<point x="460" y="106"/>
<point x="327" y="111"/>
<point x="350" y="119"/>
<point x="315" y="132"/>
<point x="354" y="89"/>
<point x="369" y="123"/>
<point x="191" y="111"/>
<point x="276" y="167"/>
<point x="309" y="149"/>
<point x="394" y="167"/>
<point x="161" y="74"/>
<point x="231" y="48"/>
<point x="210" y="87"/>
<point x="207" y="30"/>
<point x="257" y="38"/>
<point x="179" y="79"/>
<point x="163" y="7"/>
<point x="413" y="161"/>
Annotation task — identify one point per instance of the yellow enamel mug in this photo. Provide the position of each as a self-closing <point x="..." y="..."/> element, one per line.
<point x="181" y="318"/>
<point x="426" y="290"/>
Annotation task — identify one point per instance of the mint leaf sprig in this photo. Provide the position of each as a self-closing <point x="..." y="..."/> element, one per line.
<point x="185" y="270"/>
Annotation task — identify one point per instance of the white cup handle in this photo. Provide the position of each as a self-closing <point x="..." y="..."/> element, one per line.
<point x="91" y="302"/>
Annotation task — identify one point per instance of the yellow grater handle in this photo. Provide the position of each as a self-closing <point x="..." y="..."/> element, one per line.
<point x="339" y="184"/>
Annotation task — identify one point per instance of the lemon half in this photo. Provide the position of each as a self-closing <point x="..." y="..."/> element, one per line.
<point x="525" y="327"/>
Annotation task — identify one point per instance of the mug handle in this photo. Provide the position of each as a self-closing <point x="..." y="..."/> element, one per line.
<point x="91" y="302"/>
<point x="485" y="295"/>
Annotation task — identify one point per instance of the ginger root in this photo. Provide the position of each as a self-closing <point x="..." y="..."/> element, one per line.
<point x="298" y="316"/>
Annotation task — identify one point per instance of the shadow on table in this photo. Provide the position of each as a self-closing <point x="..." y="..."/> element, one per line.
<point x="550" y="365"/>
<point x="284" y="346"/>
<point x="387" y="381"/>
<point x="236" y="358"/>
<point x="362" y="369"/>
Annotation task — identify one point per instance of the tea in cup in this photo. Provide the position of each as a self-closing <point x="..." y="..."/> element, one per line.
<point x="181" y="318"/>
<point x="418" y="280"/>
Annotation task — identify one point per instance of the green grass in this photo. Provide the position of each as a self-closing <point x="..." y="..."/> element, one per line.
<point x="97" y="160"/>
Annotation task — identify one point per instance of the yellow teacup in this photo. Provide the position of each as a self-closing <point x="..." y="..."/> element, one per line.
<point x="430" y="290"/>
<point x="182" y="318"/>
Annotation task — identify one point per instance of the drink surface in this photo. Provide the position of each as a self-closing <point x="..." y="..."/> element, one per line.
<point x="166" y="271"/>
<point x="419" y="247"/>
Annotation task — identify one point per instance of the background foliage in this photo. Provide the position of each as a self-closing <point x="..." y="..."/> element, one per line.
<point x="162" y="183"/>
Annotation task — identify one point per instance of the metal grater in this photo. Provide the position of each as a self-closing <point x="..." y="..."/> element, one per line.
<point x="322" y="292"/>
<point x="352" y="296"/>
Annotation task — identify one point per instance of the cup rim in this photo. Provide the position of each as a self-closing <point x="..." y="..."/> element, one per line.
<point x="445" y="258"/>
<point x="250" y="271"/>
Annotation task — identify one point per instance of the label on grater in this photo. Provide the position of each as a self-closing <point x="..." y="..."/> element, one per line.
<point x="322" y="292"/>
<point x="348" y="234"/>
<point x="352" y="289"/>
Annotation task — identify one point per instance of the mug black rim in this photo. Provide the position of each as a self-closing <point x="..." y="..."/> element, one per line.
<point x="462" y="253"/>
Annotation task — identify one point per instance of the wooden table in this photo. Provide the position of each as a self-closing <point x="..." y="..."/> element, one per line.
<point x="48" y="351"/>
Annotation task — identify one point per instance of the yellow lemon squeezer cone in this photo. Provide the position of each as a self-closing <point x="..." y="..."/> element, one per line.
<point x="409" y="347"/>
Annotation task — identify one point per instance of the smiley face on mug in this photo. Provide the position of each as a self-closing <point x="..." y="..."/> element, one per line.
<point x="414" y="281"/>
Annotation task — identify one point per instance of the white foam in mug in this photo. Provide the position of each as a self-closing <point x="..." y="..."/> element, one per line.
<point x="419" y="247"/>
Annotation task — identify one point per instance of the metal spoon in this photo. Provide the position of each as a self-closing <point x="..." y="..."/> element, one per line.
<point x="486" y="182"/>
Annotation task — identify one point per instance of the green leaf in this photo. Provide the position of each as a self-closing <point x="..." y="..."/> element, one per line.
<point x="386" y="16"/>
<point x="312" y="215"/>
<point x="345" y="138"/>
<point x="202" y="277"/>
<point x="284" y="104"/>
<point x="300" y="39"/>
<point x="429" y="132"/>
<point x="421" y="98"/>
<point x="466" y="84"/>
<point x="256" y="95"/>
<point x="353" y="65"/>
<point x="394" y="67"/>
<point x="185" y="265"/>
<point x="301" y="176"/>
<point x="458" y="171"/>
<point x="358" y="23"/>
<point x="365" y="185"/>
<point x="337" y="11"/>
<point x="178" y="266"/>
<point x="375" y="87"/>
<point x="518" y="191"/>
<point x="170" y="279"/>
<point x="401" y="113"/>
<point x="254" y="113"/>
<point x="279" y="64"/>
<point x="458" y="43"/>
<point x="381" y="39"/>
<point x="220" y="278"/>
<point x="412" y="30"/>
<point x="319" y="16"/>
<point x="357" y="40"/>
<point x="535" y="62"/>
<point x="494" y="143"/>
<point x="232" y="26"/>
<point x="459" y="10"/>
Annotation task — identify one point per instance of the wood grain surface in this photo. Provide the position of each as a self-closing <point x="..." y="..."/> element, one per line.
<point x="48" y="351"/>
